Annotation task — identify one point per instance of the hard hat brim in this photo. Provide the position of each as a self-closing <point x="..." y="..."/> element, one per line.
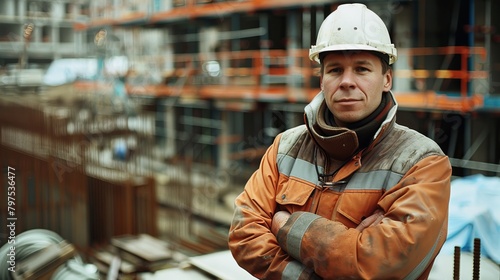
<point x="314" y="55"/>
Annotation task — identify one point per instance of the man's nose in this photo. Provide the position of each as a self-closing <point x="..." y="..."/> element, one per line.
<point x="347" y="80"/>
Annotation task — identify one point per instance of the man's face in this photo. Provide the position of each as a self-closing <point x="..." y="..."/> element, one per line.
<point x="352" y="83"/>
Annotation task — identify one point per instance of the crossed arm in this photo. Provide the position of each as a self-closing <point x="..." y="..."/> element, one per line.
<point x="281" y="217"/>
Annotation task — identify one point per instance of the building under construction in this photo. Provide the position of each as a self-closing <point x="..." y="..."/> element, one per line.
<point x="221" y="73"/>
<point x="162" y="143"/>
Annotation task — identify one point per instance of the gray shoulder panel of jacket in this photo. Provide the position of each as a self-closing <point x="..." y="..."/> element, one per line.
<point x="289" y="139"/>
<point x="404" y="147"/>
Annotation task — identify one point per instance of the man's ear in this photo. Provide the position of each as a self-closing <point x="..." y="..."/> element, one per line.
<point x="388" y="80"/>
<point x="321" y="81"/>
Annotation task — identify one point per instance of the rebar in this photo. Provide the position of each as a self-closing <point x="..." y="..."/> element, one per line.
<point x="456" y="263"/>
<point x="476" y="259"/>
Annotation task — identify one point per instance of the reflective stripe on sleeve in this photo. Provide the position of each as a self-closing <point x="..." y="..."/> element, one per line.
<point x="293" y="270"/>
<point x="296" y="271"/>
<point x="297" y="231"/>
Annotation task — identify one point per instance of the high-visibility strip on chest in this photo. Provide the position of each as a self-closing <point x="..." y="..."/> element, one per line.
<point x="369" y="180"/>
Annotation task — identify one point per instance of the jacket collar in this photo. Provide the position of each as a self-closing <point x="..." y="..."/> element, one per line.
<point x="340" y="142"/>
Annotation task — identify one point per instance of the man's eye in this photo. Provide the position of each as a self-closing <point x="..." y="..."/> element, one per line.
<point x="362" y="69"/>
<point x="334" y="70"/>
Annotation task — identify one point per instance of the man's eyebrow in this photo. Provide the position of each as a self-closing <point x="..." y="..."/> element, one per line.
<point x="333" y="63"/>
<point x="363" y="62"/>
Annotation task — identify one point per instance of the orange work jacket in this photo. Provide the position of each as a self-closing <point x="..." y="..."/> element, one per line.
<point x="402" y="172"/>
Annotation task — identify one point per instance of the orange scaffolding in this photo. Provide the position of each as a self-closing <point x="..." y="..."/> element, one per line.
<point x="246" y="74"/>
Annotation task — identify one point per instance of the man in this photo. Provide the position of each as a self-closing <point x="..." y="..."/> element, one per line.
<point x="350" y="194"/>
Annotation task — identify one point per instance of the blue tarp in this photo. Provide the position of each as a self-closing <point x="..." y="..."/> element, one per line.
<point x="475" y="213"/>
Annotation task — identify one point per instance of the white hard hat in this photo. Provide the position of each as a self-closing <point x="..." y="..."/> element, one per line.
<point x="353" y="27"/>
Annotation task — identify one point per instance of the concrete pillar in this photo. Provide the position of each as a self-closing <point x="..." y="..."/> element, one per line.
<point x="8" y="8"/>
<point x="170" y="128"/>
<point x="292" y="44"/>
<point x="403" y="40"/>
<point x="57" y="11"/>
<point x="36" y="36"/>
<point x="306" y="28"/>
<point x="224" y="147"/>
<point x="22" y="8"/>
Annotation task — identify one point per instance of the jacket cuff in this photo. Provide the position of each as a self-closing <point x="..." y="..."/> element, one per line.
<point x="290" y="235"/>
<point x="296" y="270"/>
